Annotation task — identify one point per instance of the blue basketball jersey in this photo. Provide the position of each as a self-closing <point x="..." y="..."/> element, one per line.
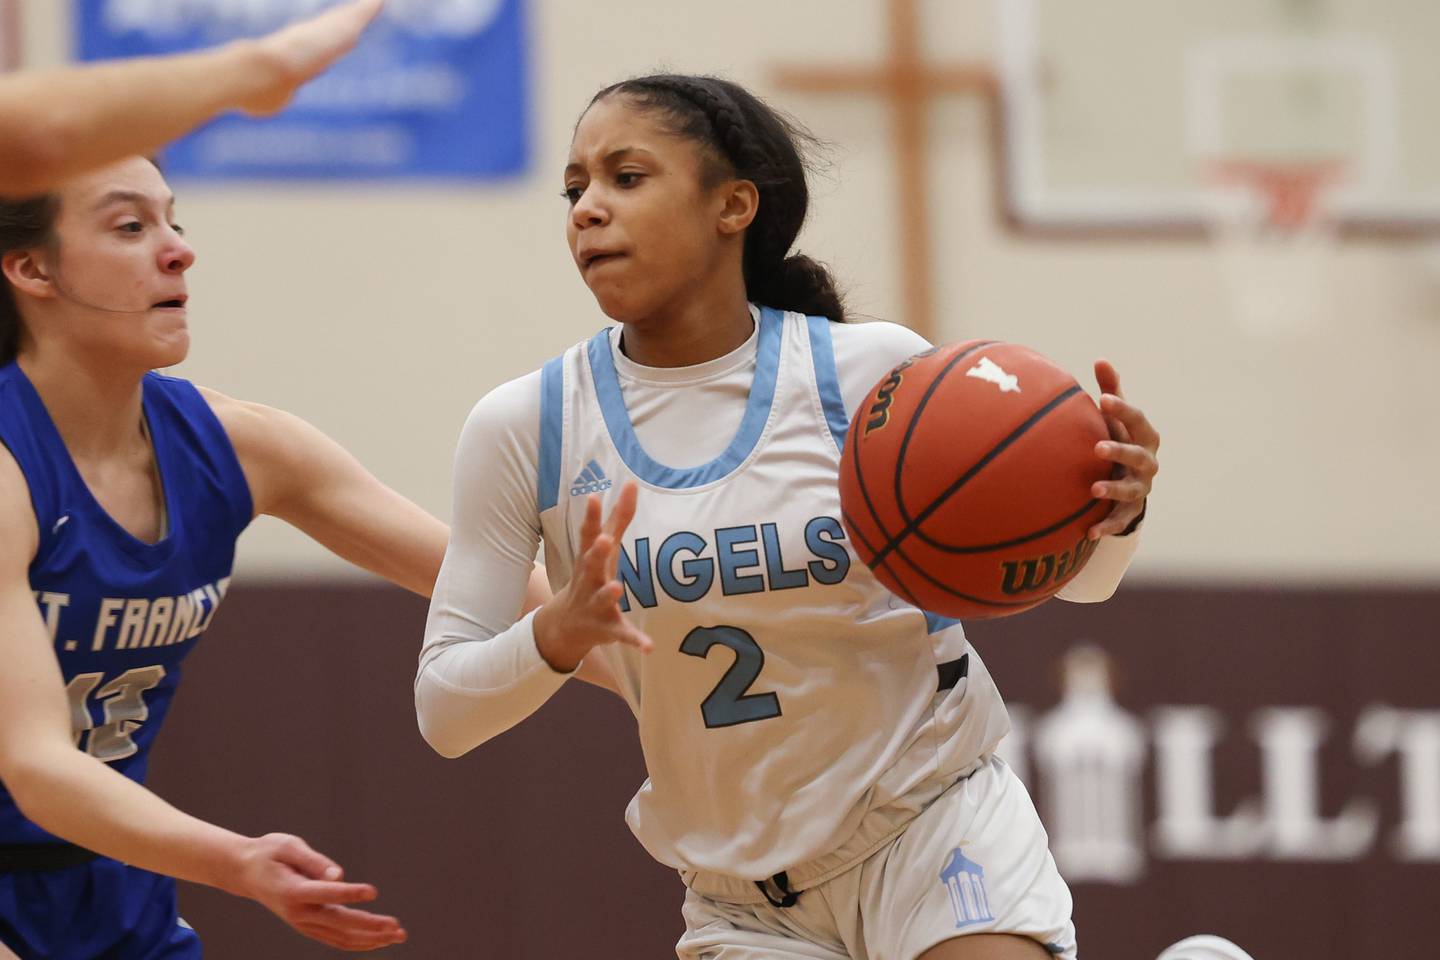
<point x="123" y="614"/>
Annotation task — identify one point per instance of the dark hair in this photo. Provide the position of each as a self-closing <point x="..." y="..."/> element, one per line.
<point x="749" y="140"/>
<point x="23" y="223"/>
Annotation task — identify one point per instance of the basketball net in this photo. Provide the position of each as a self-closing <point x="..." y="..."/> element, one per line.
<point x="1276" y="241"/>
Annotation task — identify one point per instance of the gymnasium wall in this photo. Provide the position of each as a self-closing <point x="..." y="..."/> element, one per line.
<point x="1261" y="764"/>
<point x="1261" y="734"/>
<point x="382" y="313"/>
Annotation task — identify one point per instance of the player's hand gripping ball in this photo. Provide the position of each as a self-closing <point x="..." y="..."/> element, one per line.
<point x="966" y="479"/>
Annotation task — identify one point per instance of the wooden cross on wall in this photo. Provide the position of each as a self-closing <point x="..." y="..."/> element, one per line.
<point x="907" y="83"/>
<point x="9" y="35"/>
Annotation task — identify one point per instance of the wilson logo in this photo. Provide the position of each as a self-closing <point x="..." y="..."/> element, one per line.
<point x="1035" y="573"/>
<point x="879" y="413"/>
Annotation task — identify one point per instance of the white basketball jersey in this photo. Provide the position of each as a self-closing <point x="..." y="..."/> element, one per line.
<point x="789" y="693"/>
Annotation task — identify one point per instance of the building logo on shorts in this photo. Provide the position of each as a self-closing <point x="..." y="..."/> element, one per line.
<point x="964" y="880"/>
<point x="591" y="480"/>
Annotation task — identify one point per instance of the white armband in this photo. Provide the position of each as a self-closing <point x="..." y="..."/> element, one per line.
<point x="1102" y="574"/>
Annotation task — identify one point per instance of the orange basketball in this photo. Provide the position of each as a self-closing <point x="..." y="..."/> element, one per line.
<point x="965" y="479"/>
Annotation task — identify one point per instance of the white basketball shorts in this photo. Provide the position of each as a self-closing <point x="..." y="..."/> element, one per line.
<point x="976" y="860"/>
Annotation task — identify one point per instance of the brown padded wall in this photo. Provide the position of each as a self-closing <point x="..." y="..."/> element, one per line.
<point x="296" y="715"/>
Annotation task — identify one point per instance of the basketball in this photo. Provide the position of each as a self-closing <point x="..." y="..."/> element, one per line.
<point x="966" y="475"/>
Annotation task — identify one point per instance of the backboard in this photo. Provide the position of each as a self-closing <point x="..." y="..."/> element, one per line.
<point x="1116" y="114"/>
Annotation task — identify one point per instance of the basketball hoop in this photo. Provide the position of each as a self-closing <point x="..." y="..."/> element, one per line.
<point x="1276" y="240"/>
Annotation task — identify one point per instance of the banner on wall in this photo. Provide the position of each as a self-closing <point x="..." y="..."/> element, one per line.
<point x="435" y="90"/>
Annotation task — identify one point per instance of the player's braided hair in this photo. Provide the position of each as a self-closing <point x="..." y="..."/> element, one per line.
<point x="749" y="140"/>
<point x="23" y="223"/>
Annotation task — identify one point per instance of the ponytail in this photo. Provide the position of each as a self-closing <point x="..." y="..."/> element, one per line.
<point x="796" y="283"/>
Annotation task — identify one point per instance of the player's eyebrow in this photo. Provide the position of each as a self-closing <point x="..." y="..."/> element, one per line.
<point x="614" y="156"/>
<point x="128" y="196"/>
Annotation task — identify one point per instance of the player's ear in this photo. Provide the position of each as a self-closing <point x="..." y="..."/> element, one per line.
<point x="27" y="271"/>
<point x="741" y="203"/>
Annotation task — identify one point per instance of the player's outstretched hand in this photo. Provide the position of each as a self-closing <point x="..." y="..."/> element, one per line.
<point x="304" y="888"/>
<point x="586" y="613"/>
<point x="298" y="53"/>
<point x="1133" y="447"/>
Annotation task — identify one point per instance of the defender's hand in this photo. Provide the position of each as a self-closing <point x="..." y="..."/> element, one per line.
<point x="304" y="888"/>
<point x="298" y="53"/>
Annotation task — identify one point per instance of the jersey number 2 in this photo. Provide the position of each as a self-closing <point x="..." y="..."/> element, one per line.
<point x="125" y="710"/>
<point x="729" y="704"/>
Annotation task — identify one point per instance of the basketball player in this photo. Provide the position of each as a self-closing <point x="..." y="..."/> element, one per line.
<point x="122" y="493"/>
<point x="820" y="753"/>
<point x="55" y="124"/>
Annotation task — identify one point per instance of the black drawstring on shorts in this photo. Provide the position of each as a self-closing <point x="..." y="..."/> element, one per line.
<point x="781" y="883"/>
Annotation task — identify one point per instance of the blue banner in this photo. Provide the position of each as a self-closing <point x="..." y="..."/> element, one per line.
<point x="437" y="89"/>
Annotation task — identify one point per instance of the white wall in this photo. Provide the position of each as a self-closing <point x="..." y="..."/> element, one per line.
<point x="382" y="315"/>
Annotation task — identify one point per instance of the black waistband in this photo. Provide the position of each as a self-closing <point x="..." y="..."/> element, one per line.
<point x="40" y="857"/>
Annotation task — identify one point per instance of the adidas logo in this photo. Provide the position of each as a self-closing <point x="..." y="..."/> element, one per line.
<point x="591" y="480"/>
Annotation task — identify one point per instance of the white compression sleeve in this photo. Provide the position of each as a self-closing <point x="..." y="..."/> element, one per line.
<point x="469" y="693"/>
<point x="1101" y="576"/>
<point x="480" y="672"/>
